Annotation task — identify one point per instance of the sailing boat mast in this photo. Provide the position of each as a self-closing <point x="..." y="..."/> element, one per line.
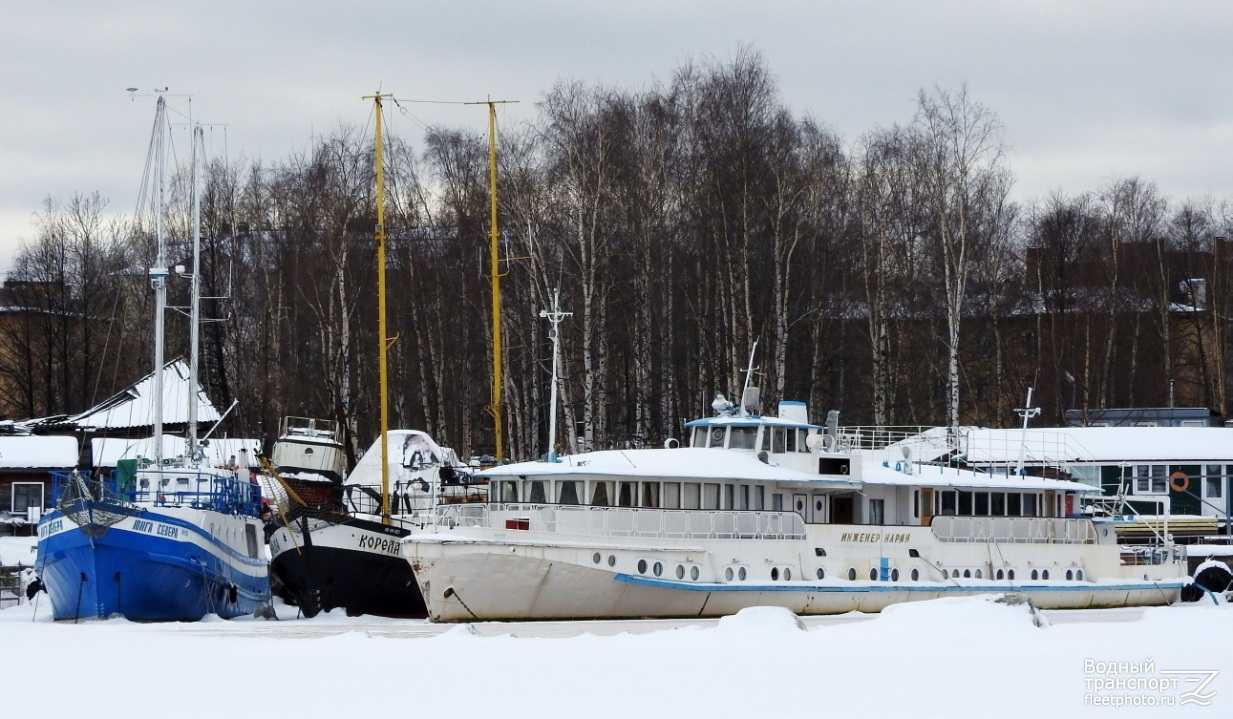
<point x="383" y="342"/>
<point x="195" y="301"/>
<point x="158" y="276"/>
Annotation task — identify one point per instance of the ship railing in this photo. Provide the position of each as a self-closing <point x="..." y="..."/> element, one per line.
<point x="1014" y="530"/>
<point x="642" y="522"/>
<point x="185" y="487"/>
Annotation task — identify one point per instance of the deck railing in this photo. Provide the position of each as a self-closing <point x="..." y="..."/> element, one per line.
<point x="1014" y="530"/>
<point x="626" y="521"/>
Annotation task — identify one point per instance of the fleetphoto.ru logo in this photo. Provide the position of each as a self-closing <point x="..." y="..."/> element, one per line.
<point x="1141" y="684"/>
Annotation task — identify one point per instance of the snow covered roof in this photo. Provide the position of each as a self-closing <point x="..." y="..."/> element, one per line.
<point x="1102" y="444"/>
<point x="107" y="451"/>
<point x="134" y="406"/>
<point x="38" y="452"/>
<point x="936" y="475"/>
<point x="408" y="448"/>
<point x="749" y="421"/>
<point x="682" y="463"/>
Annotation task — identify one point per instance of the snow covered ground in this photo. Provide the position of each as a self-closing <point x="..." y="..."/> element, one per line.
<point x="947" y="658"/>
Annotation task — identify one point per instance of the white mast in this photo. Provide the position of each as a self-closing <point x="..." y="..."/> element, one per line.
<point x="1026" y="413"/>
<point x="195" y="303"/>
<point x="555" y="317"/>
<point x="158" y="278"/>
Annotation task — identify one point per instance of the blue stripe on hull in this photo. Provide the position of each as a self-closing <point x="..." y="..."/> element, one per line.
<point x="144" y="577"/>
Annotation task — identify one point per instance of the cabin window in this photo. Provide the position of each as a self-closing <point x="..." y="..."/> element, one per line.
<point x="250" y="540"/>
<point x="742" y="497"/>
<point x="650" y="494"/>
<point x="710" y="496"/>
<point x="776" y="502"/>
<point x="791" y="440"/>
<point x="757" y="498"/>
<point x="537" y="495"/>
<point x="743" y="438"/>
<point x="717" y="437"/>
<point x="693" y="495"/>
<point x="877" y="511"/>
<point x="998" y="500"/>
<point x="628" y="495"/>
<point x="779" y="440"/>
<point x="802" y="444"/>
<point x="949" y="502"/>
<point x="1029" y="505"/>
<point x="916" y="503"/>
<point x="1151" y="478"/>
<point x="981" y="508"/>
<point x="699" y="438"/>
<point x="26" y="495"/>
<point x="507" y="491"/>
<point x="1213" y="483"/>
<point x="965" y="504"/>
<point x="766" y="439"/>
<point x="600" y="494"/>
<point x="1014" y="504"/>
<point x="729" y="496"/>
<point x="672" y="495"/>
<point x="567" y="492"/>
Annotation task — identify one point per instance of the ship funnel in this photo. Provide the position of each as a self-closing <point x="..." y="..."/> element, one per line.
<point x="794" y="411"/>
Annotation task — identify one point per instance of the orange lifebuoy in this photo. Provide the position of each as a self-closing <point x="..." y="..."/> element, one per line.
<point x="1179" y="482"/>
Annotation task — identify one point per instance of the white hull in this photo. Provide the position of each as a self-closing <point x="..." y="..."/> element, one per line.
<point x="476" y="573"/>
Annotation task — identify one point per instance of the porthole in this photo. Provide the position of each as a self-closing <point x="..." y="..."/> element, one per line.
<point x="680" y="572"/>
<point x="1079" y="575"/>
<point x="595" y="557"/>
<point x="873" y="575"/>
<point x="945" y="574"/>
<point x="642" y="566"/>
<point x="774" y="574"/>
<point x="787" y="574"/>
<point x="1105" y="532"/>
<point x="979" y="574"/>
<point x="693" y="573"/>
<point x="817" y="506"/>
<point x="1000" y="574"/>
<point x="967" y="574"/>
<point x="1010" y="574"/>
<point x="895" y="575"/>
<point x="1069" y="575"/>
<point x="852" y="574"/>
<point x="1044" y="574"/>
<point x="741" y="574"/>
<point x="821" y="573"/>
<point x="611" y="560"/>
<point x="728" y="574"/>
<point x="800" y="505"/>
<point x="658" y="569"/>
<point x="915" y="575"/>
<point x="1145" y="578"/>
<point x="1034" y="575"/>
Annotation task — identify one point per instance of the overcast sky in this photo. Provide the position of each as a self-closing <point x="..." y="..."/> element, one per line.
<point x="1087" y="91"/>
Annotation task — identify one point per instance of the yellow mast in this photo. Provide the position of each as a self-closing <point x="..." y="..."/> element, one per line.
<point x="379" y="236"/>
<point x="495" y="408"/>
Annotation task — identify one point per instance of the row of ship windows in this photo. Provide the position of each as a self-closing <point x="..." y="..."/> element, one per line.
<point x="741" y="573"/>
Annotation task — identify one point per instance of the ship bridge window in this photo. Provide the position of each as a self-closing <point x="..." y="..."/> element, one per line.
<point x="628" y="495"/>
<point x="779" y="440"/>
<point x="699" y="437"/>
<point x="567" y="492"/>
<point x="537" y="492"/>
<point x="717" y="436"/>
<point x="600" y="494"/>
<point x="802" y="445"/>
<point x="672" y="495"/>
<point x="743" y="438"/>
<point x="507" y="490"/>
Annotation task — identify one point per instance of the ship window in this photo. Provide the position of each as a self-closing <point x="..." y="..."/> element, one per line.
<point x="1070" y="574"/>
<point x="915" y="575"/>
<point x="693" y="495"/>
<point x="710" y="496"/>
<point x="821" y="573"/>
<point x="1010" y="574"/>
<point x="766" y="438"/>
<point x="779" y="440"/>
<point x="699" y="437"/>
<point x="1000" y="574"/>
<point x="948" y="502"/>
<point x="1029" y="505"/>
<point x="743" y="438"/>
<point x="1013" y="504"/>
<point x="979" y="574"/>
<point x="895" y="574"/>
<point x="693" y="573"/>
<point x="965" y="504"/>
<point x="791" y="440"/>
<point x="650" y="494"/>
<point x="680" y="572"/>
<point x="729" y="574"/>
<point x="595" y="557"/>
<point x="873" y="574"/>
<point x="1044" y="574"/>
<point x="1213" y="486"/>
<point x="1035" y="575"/>
<point x="1079" y="575"/>
<point x="852" y="574"/>
<point x="611" y="560"/>
<point x="507" y="490"/>
<point x="967" y="574"/>
<point x="642" y="566"/>
<point x="729" y="496"/>
<point x="742" y="497"/>
<point x="787" y="574"/>
<point x="945" y="574"/>
<point x="774" y="574"/>
<point x="537" y="492"/>
<point x="1151" y="478"/>
<point x="250" y="537"/>
<point x="599" y="495"/>
<point x="717" y="437"/>
<point x="981" y="507"/>
<point x="567" y="492"/>
<point x="658" y="569"/>
<point x="877" y="511"/>
<point x="998" y="502"/>
<point x="757" y="498"/>
<point x="628" y="494"/>
<point x="672" y="495"/>
<point x="776" y="502"/>
<point x="741" y="574"/>
<point x="916" y="503"/>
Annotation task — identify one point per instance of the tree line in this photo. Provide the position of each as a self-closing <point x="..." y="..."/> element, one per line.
<point x="891" y="278"/>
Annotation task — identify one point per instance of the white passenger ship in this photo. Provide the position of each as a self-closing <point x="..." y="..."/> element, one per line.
<point x="770" y="511"/>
